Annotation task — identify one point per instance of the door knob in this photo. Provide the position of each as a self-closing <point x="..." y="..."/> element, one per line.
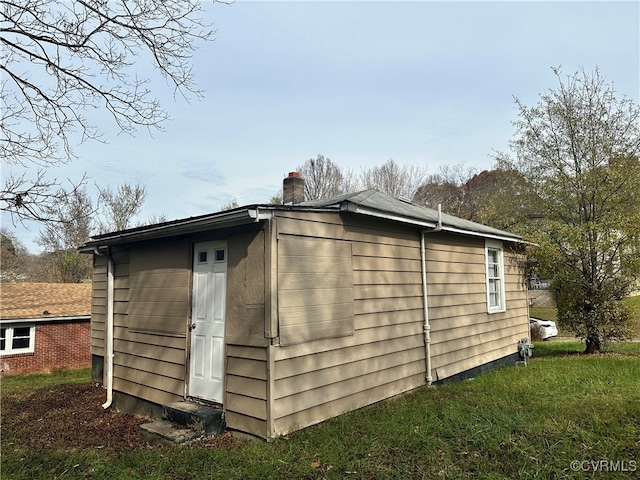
<point x="192" y="326"/>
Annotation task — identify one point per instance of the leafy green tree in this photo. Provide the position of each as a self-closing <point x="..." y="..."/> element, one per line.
<point x="577" y="154"/>
<point x="276" y="199"/>
<point x="229" y="205"/>
<point x="495" y="197"/>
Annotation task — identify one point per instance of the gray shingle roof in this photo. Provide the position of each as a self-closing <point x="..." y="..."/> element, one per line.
<point x="371" y="203"/>
<point x="375" y="203"/>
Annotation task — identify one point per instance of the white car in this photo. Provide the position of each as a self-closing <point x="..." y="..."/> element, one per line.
<point x="548" y="327"/>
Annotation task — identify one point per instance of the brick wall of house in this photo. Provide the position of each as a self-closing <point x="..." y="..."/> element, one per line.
<point x="57" y="346"/>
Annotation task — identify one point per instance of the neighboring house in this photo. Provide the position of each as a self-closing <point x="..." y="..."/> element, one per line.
<point x="44" y="327"/>
<point x="288" y="315"/>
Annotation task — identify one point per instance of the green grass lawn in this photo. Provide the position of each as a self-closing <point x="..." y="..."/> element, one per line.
<point x="512" y="423"/>
<point x="26" y="382"/>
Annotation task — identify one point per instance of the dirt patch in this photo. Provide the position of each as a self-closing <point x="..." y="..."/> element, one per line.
<point x="69" y="418"/>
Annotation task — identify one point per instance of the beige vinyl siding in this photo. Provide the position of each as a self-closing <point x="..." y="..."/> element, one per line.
<point x="384" y="355"/>
<point x="98" y="305"/>
<point x="281" y="372"/>
<point x="245" y="399"/>
<point x="315" y="288"/>
<point x="160" y="277"/>
<point x="245" y="322"/>
<point x="147" y="368"/>
<point x="99" y="296"/>
<point x="463" y="334"/>
<point x="246" y="389"/>
<point x="152" y="298"/>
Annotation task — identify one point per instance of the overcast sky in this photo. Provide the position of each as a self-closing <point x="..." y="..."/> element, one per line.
<point x="426" y="83"/>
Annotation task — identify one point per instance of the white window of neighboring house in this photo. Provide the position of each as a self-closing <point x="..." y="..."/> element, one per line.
<point x="495" y="277"/>
<point x="17" y="339"/>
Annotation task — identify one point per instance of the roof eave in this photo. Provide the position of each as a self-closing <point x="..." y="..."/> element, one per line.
<point x="424" y="224"/>
<point x="218" y="220"/>
<point x="258" y="213"/>
<point x="70" y="318"/>
<point x="492" y="236"/>
<point x="373" y="212"/>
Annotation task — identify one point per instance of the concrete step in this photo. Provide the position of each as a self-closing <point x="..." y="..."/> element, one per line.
<point x="205" y="420"/>
<point x="160" y="431"/>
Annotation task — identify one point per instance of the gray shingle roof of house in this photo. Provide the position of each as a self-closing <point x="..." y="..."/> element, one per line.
<point x="372" y="203"/>
<point x="376" y="203"/>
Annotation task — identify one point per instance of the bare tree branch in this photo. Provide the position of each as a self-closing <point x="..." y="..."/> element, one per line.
<point x="323" y="178"/>
<point x="34" y="198"/>
<point x="400" y="181"/>
<point x="59" y="59"/>
<point x="121" y="206"/>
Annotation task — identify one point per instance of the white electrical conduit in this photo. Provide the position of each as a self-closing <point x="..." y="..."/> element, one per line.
<point x="109" y="333"/>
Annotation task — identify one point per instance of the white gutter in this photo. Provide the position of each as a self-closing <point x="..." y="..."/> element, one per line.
<point x="75" y="318"/>
<point x="109" y="333"/>
<point x="179" y="227"/>
<point x="427" y="325"/>
<point x="257" y="214"/>
<point x="354" y="208"/>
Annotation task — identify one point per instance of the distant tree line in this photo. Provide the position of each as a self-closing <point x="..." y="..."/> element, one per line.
<point x="482" y="196"/>
<point x="71" y="221"/>
<point x="76" y="215"/>
<point x="570" y="183"/>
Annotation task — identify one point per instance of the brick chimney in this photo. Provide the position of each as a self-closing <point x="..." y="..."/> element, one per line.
<point x="293" y="189"/>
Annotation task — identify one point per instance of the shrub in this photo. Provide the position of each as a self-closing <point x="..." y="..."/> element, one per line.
<point x="596" y="315"/>
<point x="537" y="332"/>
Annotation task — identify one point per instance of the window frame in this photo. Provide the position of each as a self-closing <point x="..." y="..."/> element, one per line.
<point x="10" y="337"/>
<point x="495" y="280"/>
<point x="199" y="256"/>
<point x="216" y="255"/>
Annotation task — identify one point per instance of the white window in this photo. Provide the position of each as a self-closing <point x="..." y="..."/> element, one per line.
<point x="17" y="339"/>
<point x="495" y="277"/>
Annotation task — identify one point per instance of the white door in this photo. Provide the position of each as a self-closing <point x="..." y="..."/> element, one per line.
<point x="208" y="313"/>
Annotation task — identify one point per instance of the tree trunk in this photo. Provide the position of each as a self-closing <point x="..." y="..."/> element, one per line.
<point x="593" y="345"/>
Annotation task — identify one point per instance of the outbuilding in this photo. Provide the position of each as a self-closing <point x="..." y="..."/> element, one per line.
<point x="287" y="315"/>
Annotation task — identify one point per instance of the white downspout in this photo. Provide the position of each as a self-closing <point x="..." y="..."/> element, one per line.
<point x="427" y="325"/>
<point x="109" y="333"/>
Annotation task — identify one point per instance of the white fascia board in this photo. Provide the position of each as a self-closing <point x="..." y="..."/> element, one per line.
<point x="188" y="225"/>
<point x="260" y="213"/>
<point x="492" y="236"/>
<point x="75" y="318"/>
<point x="354" y="208"/>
